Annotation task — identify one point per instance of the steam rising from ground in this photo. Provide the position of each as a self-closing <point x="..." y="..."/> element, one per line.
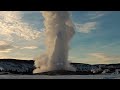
<point x="59" y="30"/>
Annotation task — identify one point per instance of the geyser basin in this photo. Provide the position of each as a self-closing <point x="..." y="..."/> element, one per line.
<point x="58" y="72"/>
<point x="59" y="30"/>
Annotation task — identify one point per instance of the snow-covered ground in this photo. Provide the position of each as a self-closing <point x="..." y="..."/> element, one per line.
<point x="60" y="77"/>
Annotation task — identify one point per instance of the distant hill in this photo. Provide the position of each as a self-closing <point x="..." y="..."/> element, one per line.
<point x="15" y="66"/>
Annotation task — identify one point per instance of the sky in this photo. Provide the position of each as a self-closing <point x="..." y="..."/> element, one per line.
<point x="96" y="40"/>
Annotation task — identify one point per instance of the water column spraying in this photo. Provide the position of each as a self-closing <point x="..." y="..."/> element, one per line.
<point x="59" y="30"/>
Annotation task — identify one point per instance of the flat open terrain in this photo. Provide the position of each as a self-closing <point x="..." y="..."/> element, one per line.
<point x="60" y="76"/>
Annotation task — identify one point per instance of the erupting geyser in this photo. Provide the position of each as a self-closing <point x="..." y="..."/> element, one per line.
<point x="59" y="30"/>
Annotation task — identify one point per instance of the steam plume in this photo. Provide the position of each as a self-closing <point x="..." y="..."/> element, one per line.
<point x="59" y="30"/>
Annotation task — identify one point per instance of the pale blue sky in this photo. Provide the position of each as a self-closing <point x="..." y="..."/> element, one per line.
<point x="96" y="39"/>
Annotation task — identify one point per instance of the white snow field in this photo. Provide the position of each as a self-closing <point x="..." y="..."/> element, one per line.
<point x="117" y="76"/>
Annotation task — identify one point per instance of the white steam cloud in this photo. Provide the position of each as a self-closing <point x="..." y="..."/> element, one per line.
<point x="59" y="30"/>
